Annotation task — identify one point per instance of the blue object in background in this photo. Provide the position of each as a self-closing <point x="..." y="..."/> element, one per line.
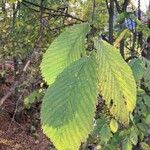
<point x="130" y="24"/>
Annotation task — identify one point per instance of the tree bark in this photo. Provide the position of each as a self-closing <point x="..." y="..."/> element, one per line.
<point x="111" y="19"/>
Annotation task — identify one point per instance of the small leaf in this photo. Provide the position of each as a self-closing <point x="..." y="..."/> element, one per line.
<point x="133" y="136"/>
<point x="98" y="147"/>
<point x="138" y="68"/>
<point x="140" y="91"/>
<point x="146" y="100"/>
<point x="147" y="120"/>
<point x="132" y="118"/>
<point x="113" y="125"/>
<point x="102" y="129"/>
<point x="32" y="98"/>
<point x="121" y="17"/>
<point x="144" y="146"/>
<point x="105" y="134"/>
<point x="120" y="37"/>
<point x="126" y="145"/>
<point x="142" y="127"/>
<point x="147" y="77"/>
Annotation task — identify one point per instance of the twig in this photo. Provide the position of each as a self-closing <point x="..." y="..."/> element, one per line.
<point x="30" y="7"/>
<point x="131" y="57"/>
<point x="12" y="89"/>
<point x="107" y="5"/>
<point x="63" y="26"/>
<point x="125" y="4"/>
<point x="16" y="107"/>
<point x="26" y="66"/>
<point x="117" y="6"/>
<point x="51" y="11"/>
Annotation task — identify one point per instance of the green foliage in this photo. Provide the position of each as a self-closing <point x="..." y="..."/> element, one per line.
<point x="33" y="98"/>
<point x="69" y="104"/>
<point x="137" y="131"/>
<point x="66" y="48"/>
<point x="139" y="25"/>
<point x="144" y="146"/>
<point x="146" y="75"/>
<point x="121" y="36"/>
<point x="146" y="99"/>
<point x="78" y="75"/>
<point x="116" y="82"/>
<point x="102" y="130"/>
<point x="126" y="145"/>
<point x="100" y="17"/>
<point x="138" y="68"/>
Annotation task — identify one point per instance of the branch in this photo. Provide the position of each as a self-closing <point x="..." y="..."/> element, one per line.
<point x="125" y="4"/>
<point x="26" y="5"/>
<point x="36" y="5"/>
<point x="93" y="13"/>
<point x="131" y="57"/>
<point x="117" y="6"/>
<point x="12" y="90"/>
<point x="63" y="26"/>
<point x="108" y="8"/>
<point x="51" y="11"/>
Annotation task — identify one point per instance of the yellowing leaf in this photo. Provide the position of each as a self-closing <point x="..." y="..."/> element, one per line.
<point x="116" y="82"/>
<point x="113" y="125"/>
<point x="120" y="37"/>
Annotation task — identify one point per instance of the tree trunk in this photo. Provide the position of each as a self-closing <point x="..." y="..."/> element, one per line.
<point x="111" y="19"/>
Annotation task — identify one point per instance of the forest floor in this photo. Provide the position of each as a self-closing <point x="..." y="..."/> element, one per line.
<point x="24" y="131"/>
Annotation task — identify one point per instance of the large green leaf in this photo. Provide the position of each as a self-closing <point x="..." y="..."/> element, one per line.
<point x="69" y="105"/>
<point x="116" y="82"/>
<point x="66" y="48"/>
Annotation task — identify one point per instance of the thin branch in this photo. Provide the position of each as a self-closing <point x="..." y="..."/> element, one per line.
<point x="63" y="26"/>
<point x="117" y="6"/>
<point x="125" y="4"/>
<point x="26" y="5"/>
<point x="16" y="107"/>
<point x="107" y="5"/>
<point x="94" y="6"/>
<point x="131" y="57"/>
<point x="52" y="11"/>
<point x="12" y="90"/>
<point x="36" y="5"/>
<point x="3" y="5"/>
